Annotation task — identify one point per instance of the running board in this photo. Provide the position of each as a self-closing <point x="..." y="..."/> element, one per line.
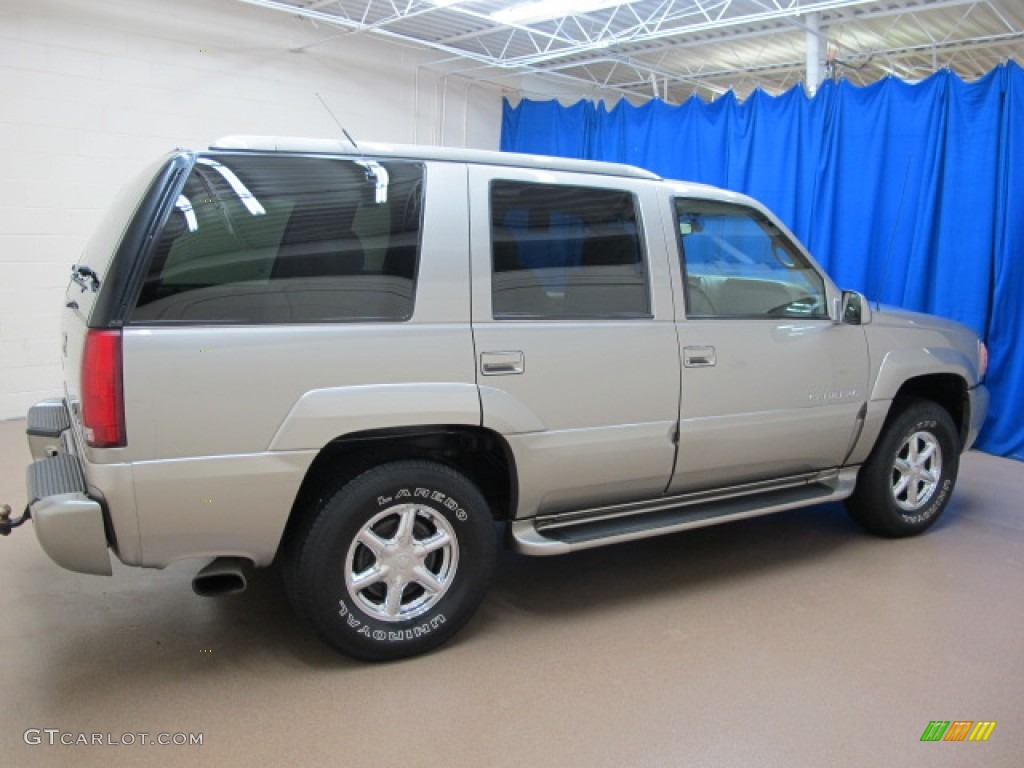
<point x="572" y="531"/>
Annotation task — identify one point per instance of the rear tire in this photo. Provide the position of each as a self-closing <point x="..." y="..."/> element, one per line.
<point x="394" y="563"/>
<point x="907" y="480"/>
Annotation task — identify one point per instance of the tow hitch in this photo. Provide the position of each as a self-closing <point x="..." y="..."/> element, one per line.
<point x="6" y="524"/>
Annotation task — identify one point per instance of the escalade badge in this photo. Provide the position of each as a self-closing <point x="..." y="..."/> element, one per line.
<point x="824" y="397"/>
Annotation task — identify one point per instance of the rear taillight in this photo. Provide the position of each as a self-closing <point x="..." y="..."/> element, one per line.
<point x="102" y="390"/>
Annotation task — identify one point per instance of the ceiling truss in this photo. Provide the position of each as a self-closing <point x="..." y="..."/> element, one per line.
<point x="673" y="49"/>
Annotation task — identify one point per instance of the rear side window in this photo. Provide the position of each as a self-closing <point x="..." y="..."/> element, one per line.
<point x="278" y="239"/>
<point x="563" y="252"/>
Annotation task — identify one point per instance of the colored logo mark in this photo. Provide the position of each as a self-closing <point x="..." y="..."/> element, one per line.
<point x="958" y="730"/>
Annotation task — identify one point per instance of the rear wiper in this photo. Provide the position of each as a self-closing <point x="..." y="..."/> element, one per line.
<point x="80" y="273"/>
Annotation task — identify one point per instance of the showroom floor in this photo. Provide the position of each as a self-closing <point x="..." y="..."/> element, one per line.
<point x="792" y="640"/>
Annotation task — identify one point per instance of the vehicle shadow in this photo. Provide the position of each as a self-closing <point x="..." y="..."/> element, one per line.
<point x="150" y="630"/>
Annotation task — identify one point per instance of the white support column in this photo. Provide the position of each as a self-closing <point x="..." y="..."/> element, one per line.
<point x="812" y="77"/>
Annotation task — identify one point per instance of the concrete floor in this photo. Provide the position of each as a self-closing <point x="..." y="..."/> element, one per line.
<point x="792" y="640"/>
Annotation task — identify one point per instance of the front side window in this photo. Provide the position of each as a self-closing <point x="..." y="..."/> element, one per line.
<point x="564" y="252"/>
<point x="737" y="263"/>
<point x="280" y="239"/>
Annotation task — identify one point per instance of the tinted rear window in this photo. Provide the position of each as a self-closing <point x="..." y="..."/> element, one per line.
<point x="279" y="239"/>
<point x="565" y="252"/>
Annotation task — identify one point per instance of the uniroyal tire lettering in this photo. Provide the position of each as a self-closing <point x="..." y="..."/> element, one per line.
<point x="391" y="636"/>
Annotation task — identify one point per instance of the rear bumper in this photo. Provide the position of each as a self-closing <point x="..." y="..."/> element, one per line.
<point x="44" y="426"/>
<point x="68" y="521"/>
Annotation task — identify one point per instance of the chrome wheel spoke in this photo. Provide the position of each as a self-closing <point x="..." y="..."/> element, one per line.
<point x="434" y="543"/>
<point x="405" y="525"/>
<point x="368" y="578"/>
<point x="923" y="457"/>
<point x="427" y="580"/>
<point x="371" y="541"/>
<point x="901" y="485"/>
<point x="393" y="602"/>
<point x="912" y="494"/>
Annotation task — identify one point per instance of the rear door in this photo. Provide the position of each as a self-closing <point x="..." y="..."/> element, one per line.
<point x="577" y="358"/>
<point x="771" y="386"/>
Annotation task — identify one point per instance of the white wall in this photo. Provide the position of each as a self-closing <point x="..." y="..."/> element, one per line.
<point x="92" y="91"/>
<point x="565" y="91"/>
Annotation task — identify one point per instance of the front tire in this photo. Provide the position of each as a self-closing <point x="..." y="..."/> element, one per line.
<point x="394" y="563"/>
<point x="907" y="480"/>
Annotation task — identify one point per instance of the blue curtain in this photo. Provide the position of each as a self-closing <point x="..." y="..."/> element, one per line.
<point x="912" y="194"/>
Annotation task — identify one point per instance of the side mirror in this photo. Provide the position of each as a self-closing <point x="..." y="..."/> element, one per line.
<point x="855" y="309"/>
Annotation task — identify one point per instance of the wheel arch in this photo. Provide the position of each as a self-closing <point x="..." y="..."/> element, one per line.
<point x="482" y="455"/>
<point x="947" y="390"/>
<point x="940" y="374"/>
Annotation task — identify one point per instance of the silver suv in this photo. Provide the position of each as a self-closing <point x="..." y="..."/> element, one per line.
<point x="354" y="361"/>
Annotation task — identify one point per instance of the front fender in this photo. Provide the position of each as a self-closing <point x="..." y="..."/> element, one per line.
<point x="322" y="415"/>
<point x="897" y="368"/>
<point x="900" y="365"/>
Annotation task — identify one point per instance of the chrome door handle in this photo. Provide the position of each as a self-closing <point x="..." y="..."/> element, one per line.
<point x="502" y="363"/>
<point x="699" y="357"/>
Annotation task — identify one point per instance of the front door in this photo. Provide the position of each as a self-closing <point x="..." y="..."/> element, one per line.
<point x="771" y="386"/>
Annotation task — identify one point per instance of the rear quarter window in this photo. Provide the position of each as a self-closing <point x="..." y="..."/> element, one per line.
<point x="283" y="239"/>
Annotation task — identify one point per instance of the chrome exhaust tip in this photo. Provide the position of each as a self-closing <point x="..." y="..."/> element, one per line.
<point x="223" y="576"/>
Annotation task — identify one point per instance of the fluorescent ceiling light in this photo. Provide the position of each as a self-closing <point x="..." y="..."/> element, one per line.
<point x="444" y="3"/>
<point x="551" y="9"/>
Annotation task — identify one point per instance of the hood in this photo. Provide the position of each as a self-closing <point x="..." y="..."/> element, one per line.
<point x="904" y="318"/>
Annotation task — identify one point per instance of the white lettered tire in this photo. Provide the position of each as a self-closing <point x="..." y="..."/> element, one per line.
<point x="394" y="563"/>
<point x="907" y="480"/>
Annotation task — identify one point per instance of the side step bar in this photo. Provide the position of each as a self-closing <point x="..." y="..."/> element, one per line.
<point x="573" y="531"/>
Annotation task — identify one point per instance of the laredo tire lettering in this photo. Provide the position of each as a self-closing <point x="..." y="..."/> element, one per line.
<point x="449" y="502"/>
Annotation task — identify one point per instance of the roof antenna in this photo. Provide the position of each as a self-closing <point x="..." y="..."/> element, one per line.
<point x="350" y="139"/>
<point x="375" y="172"/>
<point x="892" y="238"/>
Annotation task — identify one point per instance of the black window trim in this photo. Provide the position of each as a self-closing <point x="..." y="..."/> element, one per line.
<point x="129" y="264"/>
